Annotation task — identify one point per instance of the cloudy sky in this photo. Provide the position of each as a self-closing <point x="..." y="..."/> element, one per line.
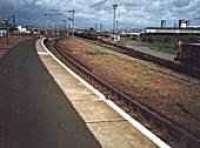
<point x="131" y="13"/>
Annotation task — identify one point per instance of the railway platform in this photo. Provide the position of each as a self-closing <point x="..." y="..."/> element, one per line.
<point x="3" y="51"/>
<point x="139" y="48"/>
<point x="148" y="51"/>
<point x="44" y="104"/>
<point x="110" y="125"/>
<point x="32" y="111"/>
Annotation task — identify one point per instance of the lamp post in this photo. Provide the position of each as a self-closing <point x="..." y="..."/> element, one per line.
<point x="114" y="19"/>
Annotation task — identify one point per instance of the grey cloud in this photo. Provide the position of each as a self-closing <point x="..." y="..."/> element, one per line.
<point x="183" y="3"/>
<point x="130" y="12"/>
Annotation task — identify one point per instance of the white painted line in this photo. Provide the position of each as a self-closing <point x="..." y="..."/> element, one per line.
<point x="38" y="45"/>
<point x="42" y="53"/>
<point x="138" y="125"/>
<point x="155" y="139"/>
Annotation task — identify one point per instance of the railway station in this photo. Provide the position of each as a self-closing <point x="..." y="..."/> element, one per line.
<point x="99" y="74"/>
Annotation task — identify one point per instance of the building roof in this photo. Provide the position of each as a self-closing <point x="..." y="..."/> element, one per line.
<point x="174" y="28"/>
<point x="159" y="30"/>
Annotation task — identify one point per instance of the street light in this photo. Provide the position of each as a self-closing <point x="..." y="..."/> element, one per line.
<point x="114" y="19"/>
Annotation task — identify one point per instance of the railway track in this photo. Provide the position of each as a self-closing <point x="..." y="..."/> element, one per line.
<point x="176" y="66"/>
<point x="170" y="131"/>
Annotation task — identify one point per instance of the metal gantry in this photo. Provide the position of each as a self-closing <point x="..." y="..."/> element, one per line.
<point x="72" y="18"/>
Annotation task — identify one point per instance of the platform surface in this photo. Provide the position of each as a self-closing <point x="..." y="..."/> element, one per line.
<point x="109" y="128"/>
